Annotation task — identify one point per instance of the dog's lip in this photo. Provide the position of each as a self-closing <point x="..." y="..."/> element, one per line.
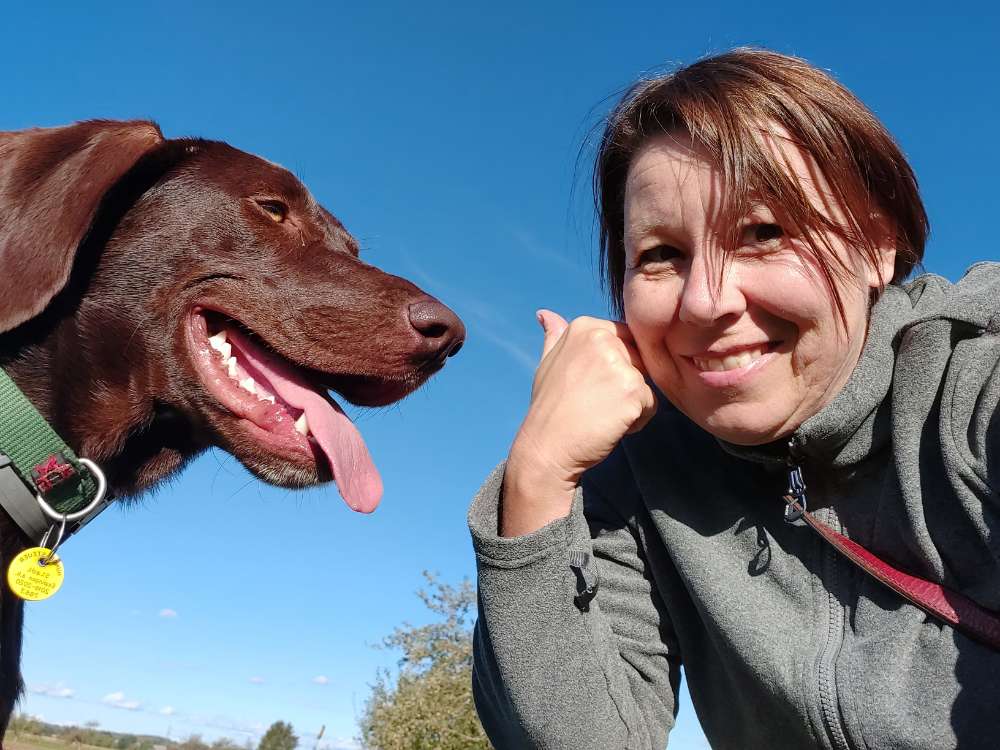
<point x="276" y="420"/>
<point x="357" y="387"/>
<point x="371" y="390"/>
<point x="331" y="432"/>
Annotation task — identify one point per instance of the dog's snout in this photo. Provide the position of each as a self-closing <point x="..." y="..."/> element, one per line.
<point x="440" y="327"/>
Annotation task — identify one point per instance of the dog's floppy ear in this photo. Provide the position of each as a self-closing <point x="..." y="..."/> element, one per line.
<point x="52" y="181"/>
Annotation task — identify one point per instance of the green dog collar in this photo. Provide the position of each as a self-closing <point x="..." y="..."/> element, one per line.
<point x="41" y="480"/>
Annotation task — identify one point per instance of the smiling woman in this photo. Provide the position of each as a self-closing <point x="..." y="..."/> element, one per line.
<point x="757" y="223"/>
<point x="769" y="328"/>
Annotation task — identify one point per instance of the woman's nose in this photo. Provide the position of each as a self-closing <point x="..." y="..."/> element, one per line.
<point x="711" y="292"/>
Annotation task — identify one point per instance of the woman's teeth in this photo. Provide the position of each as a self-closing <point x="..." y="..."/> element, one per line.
<point x="729" y="362"/>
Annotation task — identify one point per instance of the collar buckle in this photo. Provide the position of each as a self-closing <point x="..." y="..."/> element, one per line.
<point x="51" y="472"/>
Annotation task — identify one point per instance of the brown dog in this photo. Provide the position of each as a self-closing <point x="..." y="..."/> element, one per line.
<point x="158" y="297"/>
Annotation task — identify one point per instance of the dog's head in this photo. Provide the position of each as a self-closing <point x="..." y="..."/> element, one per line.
<point x="173" y="294"/>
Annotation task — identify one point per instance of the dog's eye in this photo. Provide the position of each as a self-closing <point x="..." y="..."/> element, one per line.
<point x="276" y="210"/>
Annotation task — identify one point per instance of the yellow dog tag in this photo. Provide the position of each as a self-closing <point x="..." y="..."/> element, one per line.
<point x="31" y="580"/>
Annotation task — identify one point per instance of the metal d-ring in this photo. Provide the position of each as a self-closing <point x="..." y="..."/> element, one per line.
<point x="102" y="489"/>
<point x="52" y="550"/>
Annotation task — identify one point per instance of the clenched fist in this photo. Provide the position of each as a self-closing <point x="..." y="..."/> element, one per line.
<point x="589" y="392"/>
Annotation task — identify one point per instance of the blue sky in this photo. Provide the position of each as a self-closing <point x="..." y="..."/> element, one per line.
<point x="446" y="137"/>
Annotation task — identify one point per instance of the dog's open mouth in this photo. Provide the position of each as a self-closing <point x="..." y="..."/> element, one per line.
<point x="277" y="403"/>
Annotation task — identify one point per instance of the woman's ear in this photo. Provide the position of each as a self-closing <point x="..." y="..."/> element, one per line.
<point x="881" y="274"/>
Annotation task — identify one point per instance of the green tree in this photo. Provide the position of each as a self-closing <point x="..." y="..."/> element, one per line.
<point x="428" y="706"/>
<point x="279" y="736"/>
<point x="75" y="735"/>
<point x="193" y="742"/>
<point x="24" y="724"/>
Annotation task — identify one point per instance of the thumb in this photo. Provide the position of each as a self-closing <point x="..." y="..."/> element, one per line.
<point x="553" y="324"/>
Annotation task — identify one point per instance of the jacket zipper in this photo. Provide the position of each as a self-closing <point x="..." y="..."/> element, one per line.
<point x="826" y="674"/>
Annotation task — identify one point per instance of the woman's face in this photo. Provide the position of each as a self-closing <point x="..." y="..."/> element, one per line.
<point x="752" y="355"/>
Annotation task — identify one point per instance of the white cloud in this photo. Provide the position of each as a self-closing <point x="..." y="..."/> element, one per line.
<point x="482" y="318"/>
<point x="518" y="353"/>
<point x="321" y="679"/>
<point x="167" y="612"/>
<point x="540" y="250"/>
<point x="257" y="680"/>
<point x="168" y="710"/>
<point x="59" y="690"/>
<point x="118" y="700"/>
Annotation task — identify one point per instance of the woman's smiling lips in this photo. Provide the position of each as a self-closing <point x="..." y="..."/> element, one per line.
<point x="731" y="366"/>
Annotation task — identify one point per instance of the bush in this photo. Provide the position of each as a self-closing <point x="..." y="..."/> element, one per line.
<point x="429" y="704"/>
<point x="279" y="736"/>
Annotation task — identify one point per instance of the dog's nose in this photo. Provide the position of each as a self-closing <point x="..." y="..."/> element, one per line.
<point x="439" y="326"/>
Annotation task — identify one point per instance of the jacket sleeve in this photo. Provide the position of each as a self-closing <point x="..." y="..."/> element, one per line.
<point x="970" y="395"/>
<point x="554" y="669"/>
<point x="946" y="430"/>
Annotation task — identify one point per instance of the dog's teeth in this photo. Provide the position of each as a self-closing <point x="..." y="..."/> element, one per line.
<point x="225" y="349"/>
<point x="217" y="341"/>
<point x="265" y="397"/>
<point x="302" y="425"/>
<point x="247" y="384"/>
<point x="231" y="367"/>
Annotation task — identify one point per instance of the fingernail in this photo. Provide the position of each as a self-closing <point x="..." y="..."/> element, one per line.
<point x="540" y="318"/>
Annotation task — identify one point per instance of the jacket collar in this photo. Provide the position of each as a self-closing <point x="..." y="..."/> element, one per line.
<point x="856" y="422"/>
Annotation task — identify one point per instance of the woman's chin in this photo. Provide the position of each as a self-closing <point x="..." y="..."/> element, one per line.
<point x="741" y="426"/>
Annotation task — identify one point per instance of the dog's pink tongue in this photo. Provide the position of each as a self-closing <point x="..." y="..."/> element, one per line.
<point x="356" y="476"/>
<point x="353" y="470"/>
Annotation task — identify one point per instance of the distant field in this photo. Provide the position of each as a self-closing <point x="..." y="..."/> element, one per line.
<point x="33" y="742"/>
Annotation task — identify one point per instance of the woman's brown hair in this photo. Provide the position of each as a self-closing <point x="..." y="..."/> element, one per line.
<point x="723" y="104"/>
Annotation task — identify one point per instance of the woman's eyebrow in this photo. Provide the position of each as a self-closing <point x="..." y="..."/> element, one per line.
<point x="755" y="209"/>
<point x="645" y="226"/>
<point x="642" y="229"/>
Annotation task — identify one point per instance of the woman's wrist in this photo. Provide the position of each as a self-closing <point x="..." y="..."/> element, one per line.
<point x="532" y="496"/>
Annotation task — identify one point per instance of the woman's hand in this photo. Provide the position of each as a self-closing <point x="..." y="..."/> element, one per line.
<point x="589" y="392"/>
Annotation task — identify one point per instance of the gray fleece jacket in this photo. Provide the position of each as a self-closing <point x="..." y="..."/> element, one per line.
<point x="784" y="643"/>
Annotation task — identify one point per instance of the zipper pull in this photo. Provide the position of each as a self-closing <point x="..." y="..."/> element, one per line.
<point x="586" y="579"/>
<point x="795" y="498"/>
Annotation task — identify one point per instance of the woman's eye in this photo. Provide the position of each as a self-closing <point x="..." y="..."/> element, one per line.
<point x="276" y="210"/>
<point x="755" y="234"/>
<point x="658" y="254"/>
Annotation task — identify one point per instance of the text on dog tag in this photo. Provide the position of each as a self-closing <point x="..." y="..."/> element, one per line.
<point x="31" y="580"/>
